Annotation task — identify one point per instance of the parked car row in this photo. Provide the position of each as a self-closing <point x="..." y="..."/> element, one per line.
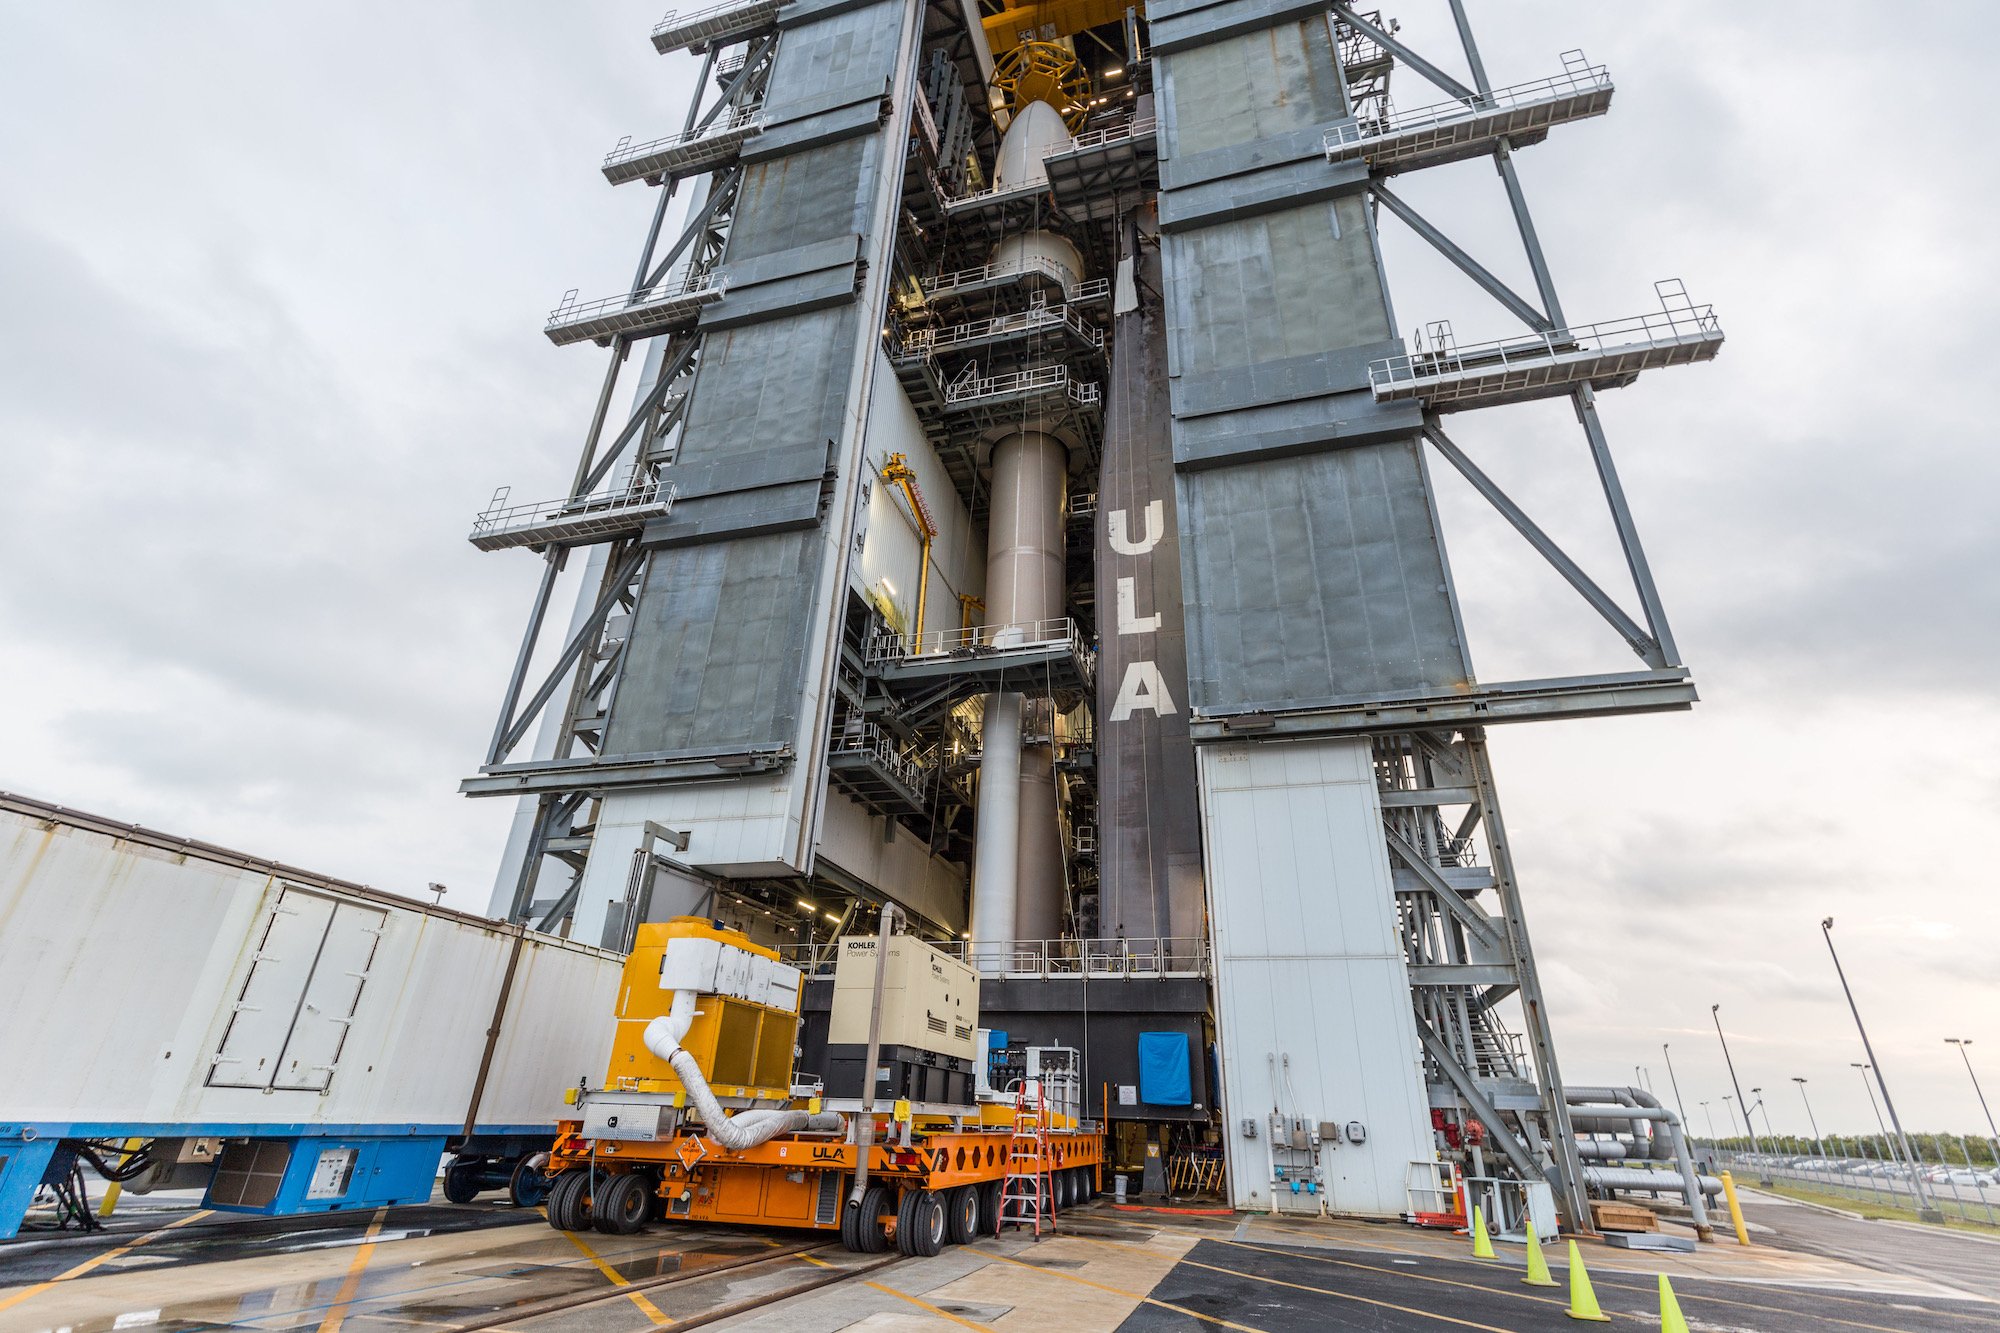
<point x="1974" y="1177"/>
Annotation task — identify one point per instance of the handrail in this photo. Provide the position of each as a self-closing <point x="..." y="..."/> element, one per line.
<point x="687" y="279"/>
<point x="973" y="388"/>
<point x="499" y="516"/>
<point x="1674" y="323"/>
<point x="1105" y="958"/>
<point x="1130" y="128"/>
<point x="929" y="342"/>
<point x="676" y="19"/>
<point x="869" y="739"/>
<point x="1577" y="78"/>
<point x="744" y="117"/>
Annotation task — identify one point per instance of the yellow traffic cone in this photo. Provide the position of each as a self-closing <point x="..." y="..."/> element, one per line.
<point x="1671" y="1318"/>
<point x="1538" y="1267"/>
<point x="1582" y="1300"/>
<point x="1482" y="1244"/>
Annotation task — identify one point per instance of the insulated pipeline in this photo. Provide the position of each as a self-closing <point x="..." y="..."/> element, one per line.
<point x="737" y="1132"/>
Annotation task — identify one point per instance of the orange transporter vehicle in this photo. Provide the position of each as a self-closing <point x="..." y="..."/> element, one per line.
<point x="700" y="1119"/>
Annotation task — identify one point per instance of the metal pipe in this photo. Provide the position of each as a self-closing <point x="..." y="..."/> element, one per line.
<point x="864" y="1129"/>
<point x="738" y="1132"/>
<point x="1639" y="1105"/>
<point x="996" y="845"/>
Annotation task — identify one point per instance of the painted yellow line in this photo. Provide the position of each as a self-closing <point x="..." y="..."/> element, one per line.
<point x="1349" y="1296"/>
<point x="9" y="1302"/>
<point x="350" y="1284"/>
<point x="1406" y="1274"/>
<point x="1818" y="1318"/>
<point x="646" y="1307"/>
<point x="925" y="1305"/>
<point x="1129" y="1295"/>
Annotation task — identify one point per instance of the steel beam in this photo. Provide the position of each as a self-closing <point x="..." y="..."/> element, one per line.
<point x="1472" y="268"/>
<point x="1548" y="1075"/>
<point x="1405" y="54"/>
<point x="1641" y="642"/>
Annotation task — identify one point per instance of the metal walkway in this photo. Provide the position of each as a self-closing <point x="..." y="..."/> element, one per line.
<point x="1453" y="131"/>
<point x="675" y="302"/>
<point x="680" y="155"/>
<point x="567" y="521"/>
<point x="715" y="26"/>
<point x="1450" y="378"/>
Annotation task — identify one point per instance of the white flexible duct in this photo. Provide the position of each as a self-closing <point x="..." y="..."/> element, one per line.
<point x="734" y="1132"/>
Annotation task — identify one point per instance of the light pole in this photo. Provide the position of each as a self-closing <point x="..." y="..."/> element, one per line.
<point x="1992" y="1134"/>
<point x="1760" y="1105"/>
<point x="1927" y="1211"/>
<point x="1674" y="1080"/>
<point x="1889" y="1149"/>
<point x="1818" y="1146"/>
<point x="1763" y="1173"/>
<point x="1710" y="1115"/>
<point x="1729" y="1104"/>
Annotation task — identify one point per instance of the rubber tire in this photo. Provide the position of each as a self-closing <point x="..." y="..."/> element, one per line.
<point x="871" y="1237"/>
<point x="621" y="1205"/>
<point x="461" y="1180"/>
<point x="569" y="1200"/>
<point x="989" y="1206"/>
<point x="920" y="1224"/>
<point x="527" y="1187"/>
<point x="962" y="1214"/>
<point x="1086" y="1179"/>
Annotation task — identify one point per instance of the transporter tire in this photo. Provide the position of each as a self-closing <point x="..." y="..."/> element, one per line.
<point x="527" y="1187"/>
<point x="461" y="1180"/>
<point x="621" y="1205"/>
<point x="962" y="1214"/>
<point x="865" y="1219"/>
<point x="920" y="1224"/>
<point x="569" y="1200"/>
<point x="989" y="1206"/>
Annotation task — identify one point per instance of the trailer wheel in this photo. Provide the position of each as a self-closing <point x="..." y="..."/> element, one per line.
<point x="920" y="1224"/>
<point x="989" y="1206"/>
<point x="461" y="1180"/>
<point x="861" y="1228"/>
<point x="569" y="1200"/>
<point x="621" y="1205"/>
<point x="962" y="1211"/>
<point x="527" y="1187"/>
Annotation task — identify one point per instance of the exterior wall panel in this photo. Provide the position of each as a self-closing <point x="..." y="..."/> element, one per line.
<point x="1312" y="993"/>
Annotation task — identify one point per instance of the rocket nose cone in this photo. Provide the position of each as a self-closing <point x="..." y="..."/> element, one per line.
<point x="1035" y="130"/>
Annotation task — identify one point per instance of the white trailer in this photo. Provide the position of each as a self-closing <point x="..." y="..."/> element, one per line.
<point x="326" y="1041"/>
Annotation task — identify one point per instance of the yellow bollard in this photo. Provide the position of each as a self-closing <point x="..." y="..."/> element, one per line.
<point x="1482" y="1244"/>
<point x="113" y="1189"/>
<point x="1671" y="1318"/>
<point x="1735" y="1209"/>
<point x="1538" y="1266"/>
<point x="1582" y="1300"/>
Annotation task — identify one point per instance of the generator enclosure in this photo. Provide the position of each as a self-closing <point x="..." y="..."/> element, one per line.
<point x="930" y="1000"/>
<point x="745" y="1029"/>
<point x="929" y="1033"/>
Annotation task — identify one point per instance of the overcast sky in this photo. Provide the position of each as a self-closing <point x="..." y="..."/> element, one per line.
<point x="271" y="287"/>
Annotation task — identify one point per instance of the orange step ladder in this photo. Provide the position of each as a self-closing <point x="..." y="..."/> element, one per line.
<point x="1027" y="1197"/>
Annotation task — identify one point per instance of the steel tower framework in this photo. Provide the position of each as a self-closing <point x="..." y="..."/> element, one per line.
<point x="1201" y="183"/>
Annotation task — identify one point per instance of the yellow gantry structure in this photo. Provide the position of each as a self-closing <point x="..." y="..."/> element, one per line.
<point x="1049" y="20"/>
<point x="897" y="473"/>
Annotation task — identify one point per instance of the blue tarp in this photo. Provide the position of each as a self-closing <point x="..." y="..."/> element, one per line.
<point x="1163" y="1069"/>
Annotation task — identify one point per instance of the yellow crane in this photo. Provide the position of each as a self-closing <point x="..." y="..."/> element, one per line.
<point x="897" y="472"/>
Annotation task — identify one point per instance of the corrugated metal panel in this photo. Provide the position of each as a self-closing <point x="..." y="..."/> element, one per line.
<point x="1313" y="998"/>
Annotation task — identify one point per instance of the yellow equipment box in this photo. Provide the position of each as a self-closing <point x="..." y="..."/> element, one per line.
<point x="747" y="1016"/>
